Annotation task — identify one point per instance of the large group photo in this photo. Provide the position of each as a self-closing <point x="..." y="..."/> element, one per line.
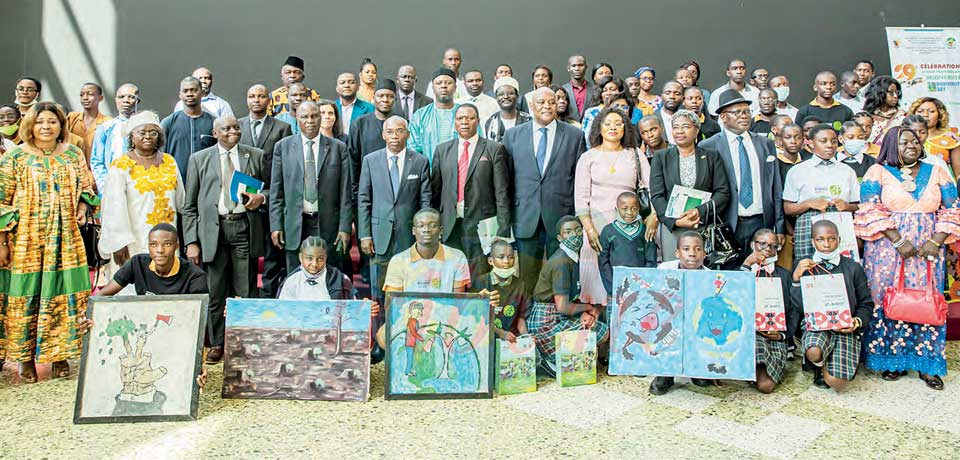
<point x="476" y="256"/>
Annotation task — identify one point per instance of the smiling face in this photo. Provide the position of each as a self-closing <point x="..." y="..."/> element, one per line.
<point x="26" y="91"/>
<point x="46" y="128"/>
<point x="227" y="132"/>
<point x="206" y="79"/>
<point x="474" y="82"/>
<point x="608" y="91"/>
<point x="736" y="117"/>
<point x="684" y="131"/>
<point x="146" y="138"/>
<point x="506" y="98"/>
<point x="612" y="128"/>
<point x="541" y="78"/>
<point x="628" y="207"/>
<point x="544" y="107"/>
<point x="328" y="117"/>
<point x="9" y="116"/>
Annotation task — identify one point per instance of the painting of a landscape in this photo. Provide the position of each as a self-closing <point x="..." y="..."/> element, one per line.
<point x="292" y="349"/>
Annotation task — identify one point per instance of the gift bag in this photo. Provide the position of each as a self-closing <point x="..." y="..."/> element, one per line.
<point x="576" y="358"/>
<point x="825" y="303"/>
<point x="516" y="366"/>
<point x="771" y="314"/>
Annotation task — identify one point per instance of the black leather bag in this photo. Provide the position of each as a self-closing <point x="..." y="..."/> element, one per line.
<point x="643" y="190"/>
<point x="91" y="239"/>
<point x="719" y="240"/>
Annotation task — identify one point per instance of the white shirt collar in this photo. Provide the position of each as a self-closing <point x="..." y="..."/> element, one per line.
<point x="401" y="154"/>
<point x="342" y="105"/>
<point x="224" y="151"/>
<point x="570" y="253"/>
<point x="472" y="140"/>
<point x="552" y="126"/>
<point x="732" y="137"/>
<point x="304" y="138"/>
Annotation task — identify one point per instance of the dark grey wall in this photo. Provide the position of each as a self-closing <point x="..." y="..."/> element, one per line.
<point x="245" y="41"/>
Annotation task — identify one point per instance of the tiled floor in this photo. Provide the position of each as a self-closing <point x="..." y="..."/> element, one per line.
<point x="616" y="418"/>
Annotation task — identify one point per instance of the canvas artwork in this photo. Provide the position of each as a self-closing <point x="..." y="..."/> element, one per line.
<point x="141" y="358"/>
<point x="576" y="358"/>
<point x="771" y="314"/>
<point x="646" y="317"/>
<point x="719" y="340"/>
<point x="516" y="366"/>
<point x="825" y="303"/>
<point x="439" y="346"/>
<point x="297" y="349"/>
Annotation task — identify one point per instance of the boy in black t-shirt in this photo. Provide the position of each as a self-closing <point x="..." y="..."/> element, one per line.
<point x="162" y="271"/>
<point x="510" y="319"/>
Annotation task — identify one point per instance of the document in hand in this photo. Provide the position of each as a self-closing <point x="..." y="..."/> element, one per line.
<point x="683" y="199"/>
<point x="487" y="230"/>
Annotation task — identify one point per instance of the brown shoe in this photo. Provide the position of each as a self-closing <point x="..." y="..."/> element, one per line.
<point x="28" y="372"/>
<point x="59" y="369"/>
<point x="214" y="355"/>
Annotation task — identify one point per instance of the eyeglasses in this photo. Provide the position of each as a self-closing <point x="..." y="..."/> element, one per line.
<point x="646" y="78"/>
<point x="765" y="245"/>
<point x="739" y="113"/>
<point x="394" y="132"/>
<point x="25" y="89"/>
<point x="894" y="92"/>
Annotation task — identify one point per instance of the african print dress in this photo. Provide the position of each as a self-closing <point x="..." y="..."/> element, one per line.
<point x="47" y="283"/>
<point x="891" y="345"/>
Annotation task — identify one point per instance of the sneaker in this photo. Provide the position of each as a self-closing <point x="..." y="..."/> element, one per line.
<point x="703" y="383"/>
<point x="819" y="381"/>
<point x="660" y="385"/>
<point x="791" y="351"/>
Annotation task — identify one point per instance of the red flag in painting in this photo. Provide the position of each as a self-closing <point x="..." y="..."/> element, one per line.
<point x="165" y="318"/>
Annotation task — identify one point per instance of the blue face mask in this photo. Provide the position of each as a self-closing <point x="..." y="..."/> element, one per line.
<point x="854" y="147"/>
<point x="782" y="93"/>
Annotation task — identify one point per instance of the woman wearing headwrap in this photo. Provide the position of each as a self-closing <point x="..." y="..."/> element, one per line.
<point x="143" y="189"/>
<point x="647" y="102"/>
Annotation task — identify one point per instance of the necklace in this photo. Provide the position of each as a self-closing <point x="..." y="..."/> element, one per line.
<point x="145" y="157"/>
<point x="613" y="167"/>
<point x="908" y="182"/>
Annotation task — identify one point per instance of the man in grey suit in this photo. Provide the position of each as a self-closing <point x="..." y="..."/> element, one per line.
<point x="224" y="234"/>
<point x="260" y="130"/>
<point x="394" y="185"/>
<point x="408" y="99"/>
<point x="545" y="152"/>
<point x="470" y="182"/>
<point x="578" y="88"/>
<point x="752" y="170"/>
<point x="310" y="191"/>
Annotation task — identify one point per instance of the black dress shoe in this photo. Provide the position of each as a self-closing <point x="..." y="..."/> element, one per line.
<point x="818" y="379"/>
<point x="934" y="381"/>
<point x="891" y="376"/>
<point x="377" y="354"/>
<point x="660" y="385"/>
<point x="703" y="383"/>
<point x="214" y="355"/>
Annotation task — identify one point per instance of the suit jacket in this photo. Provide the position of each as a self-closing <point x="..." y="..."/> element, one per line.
<point x="270" y="133"/>
<point x="334" y="183"/>
<point x="201" y="217"/>
<point x="360" y="108"/>
<point x="711" y="177"/>
<point x="419" y="100"/>
<point x="548" y="197"/>
<point x="486" y="193"/>
<point x="574" y="112"/>
<point x="771" y="186"/>
<point x="383" y="216"/>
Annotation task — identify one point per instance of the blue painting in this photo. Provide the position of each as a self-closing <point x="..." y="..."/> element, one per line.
<point x="646" y="318"/>
<point x="439" y="346"/>
<point x="297" y="349"/>
<point x="719" y="330"/>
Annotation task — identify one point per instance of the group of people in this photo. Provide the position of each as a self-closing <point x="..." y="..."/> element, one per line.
<point x="530" y="199"/>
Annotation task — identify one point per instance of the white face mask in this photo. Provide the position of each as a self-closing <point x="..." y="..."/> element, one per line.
<point x="770" y="260"/>
<point x="504" y="273"/>
<point x="783" y="92"/>
<point x="854" y="147"/>
<point x="832" y="257"/>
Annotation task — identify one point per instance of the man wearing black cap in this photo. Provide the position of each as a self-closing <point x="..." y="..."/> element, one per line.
<point x="432" y="125"/>
<point x="290" y="73"/>
<point x="366" y="132"/>
<point x="752" y="170"/>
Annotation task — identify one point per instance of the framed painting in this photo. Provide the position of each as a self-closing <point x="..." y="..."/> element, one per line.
<point x="141" y="358"/>
<point x="646" y="322"/>
<point x="297" y="349"/>
<point x="439" y="346"/>
<point x="576" y="358"/>
<point x="516" y="366"/>
<point x="719" y="330"/>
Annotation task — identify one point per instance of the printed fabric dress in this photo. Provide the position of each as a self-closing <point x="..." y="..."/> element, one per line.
<point x="891" y="345"/>
<point x="47" y="283"/>
<point x="600" y="178"/>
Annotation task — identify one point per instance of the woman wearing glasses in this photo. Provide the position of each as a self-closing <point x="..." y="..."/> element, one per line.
<point x="882" y="102"/>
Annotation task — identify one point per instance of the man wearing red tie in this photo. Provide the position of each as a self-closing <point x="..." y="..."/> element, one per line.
<point x="470" y="182"/>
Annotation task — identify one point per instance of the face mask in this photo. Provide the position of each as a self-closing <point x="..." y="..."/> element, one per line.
<point x="10" y="130"/>
<point x="504" y="273"/>
<point x="782" y="93"/>
<point x="832" y="257"/>
<point x="770" y="260"/>
<point x="573" y="243"/>
<point x="854" y="147"/>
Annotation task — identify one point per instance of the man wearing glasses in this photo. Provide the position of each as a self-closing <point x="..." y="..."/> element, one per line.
<point x="27" y="94"/>
<point x="751" y="163"/>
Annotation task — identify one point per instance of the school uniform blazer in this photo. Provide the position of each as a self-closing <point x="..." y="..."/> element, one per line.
<point x="201" y="215"/>
<point x="383" y="216"/>
<point x="334" y="185"/>
<point x="486" y="193"/>
<point x="711" y="177"/>
<point x="771" y="185"/>
<point x="544" y="198"/>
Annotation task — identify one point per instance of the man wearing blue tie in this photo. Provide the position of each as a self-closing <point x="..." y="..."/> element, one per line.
<point x="544" y="152"/>
<point x="751" y="163"/>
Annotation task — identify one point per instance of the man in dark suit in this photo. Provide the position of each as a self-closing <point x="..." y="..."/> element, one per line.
<point x="310" y="191"/>
<point x="408" y="100"/>
<point x="545" y="152"/>
<point x="366" y="135"/>
<point x="752" y="171"/>
<point x="260" y="130"/>
<point x="394" y="185"/>
<point x="224" y="234"/>
<point x="470" y="182"/>
<point x="578" y="88"/>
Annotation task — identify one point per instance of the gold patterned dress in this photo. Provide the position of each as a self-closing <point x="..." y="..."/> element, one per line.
<point x="46" y="286"/>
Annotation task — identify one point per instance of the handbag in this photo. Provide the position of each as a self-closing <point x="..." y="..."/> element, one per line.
<point x="90" y="233"/>
<point x="643" y="190"/>
<point x="918" y="306"/>
<point x="719" y="240"/>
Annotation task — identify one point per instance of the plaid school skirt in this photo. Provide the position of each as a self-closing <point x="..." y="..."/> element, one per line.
<point x="773" y="355"/>
<point x="841" y="352"/>
<point x="802" y="239"/>
<point x="544" y="322"/>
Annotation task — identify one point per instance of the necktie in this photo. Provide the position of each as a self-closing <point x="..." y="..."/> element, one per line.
<point x="310" y="175"/>
<point x="405" y="106"/>
<point x="255" y="129"/>
<point x="226" y="177"/>
<point x="542" y="150"/>
<point x="462" y="165"/>
<point x="746" y="176"/>
<point x="395" y="174"/>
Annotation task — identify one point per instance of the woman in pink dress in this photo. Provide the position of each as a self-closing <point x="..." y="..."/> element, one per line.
<point x="603" y="173"/>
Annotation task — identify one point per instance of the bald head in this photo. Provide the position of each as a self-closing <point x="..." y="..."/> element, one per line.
<point x="451" y="60"/>
<point x="395" y="134"/>
<point x="206" y="79"/>
<point x="127" y="99"/>
<point x="227" y="131"/>
<point x="258" y="100"/>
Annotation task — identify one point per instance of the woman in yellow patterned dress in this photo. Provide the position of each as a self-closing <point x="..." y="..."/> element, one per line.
<point x="941" y="140"/>
<point x="142" y="189"/>
<point x="46" y="193"/>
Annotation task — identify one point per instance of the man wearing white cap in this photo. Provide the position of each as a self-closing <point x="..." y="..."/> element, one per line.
<point x="506" y="90"/>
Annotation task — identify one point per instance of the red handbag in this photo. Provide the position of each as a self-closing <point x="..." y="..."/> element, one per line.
<point x="918" y="306"/>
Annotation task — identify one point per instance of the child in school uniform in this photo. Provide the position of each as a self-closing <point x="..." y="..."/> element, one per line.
<point x="772" y="352"/>
<point x="853" y="149"/>
<point x="834" y="354"/>
<point x="510" y="321"/>
<point x="556" y="306"/>
<point x="622" y="241"/>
